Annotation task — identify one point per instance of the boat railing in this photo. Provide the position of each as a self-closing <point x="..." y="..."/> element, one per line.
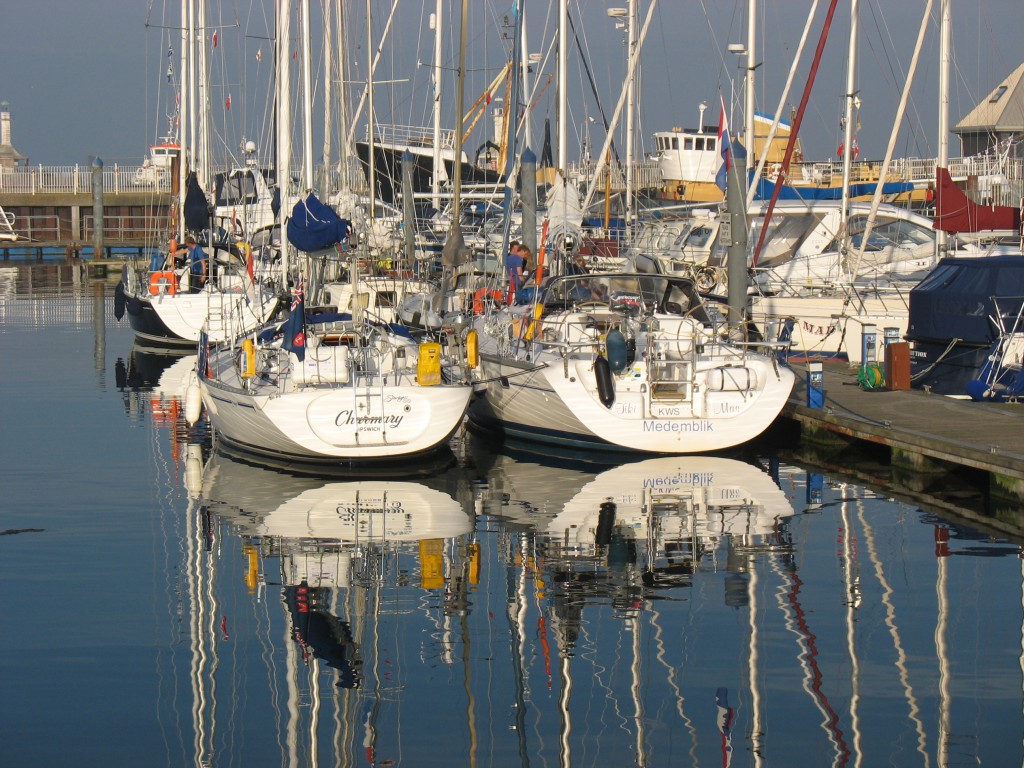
<point x="413" y="135"/>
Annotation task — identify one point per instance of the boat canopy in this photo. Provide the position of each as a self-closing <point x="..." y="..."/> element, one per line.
<point x="955" y="300"/>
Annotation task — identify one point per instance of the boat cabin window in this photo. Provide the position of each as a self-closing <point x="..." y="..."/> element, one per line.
<point x="699" y="145"/>
<point x="698" y="238"/>
<point x="688" y="142"/>
<point x="236" y="189"/>
<point x="889" y="232"/>
<point x="784" y="237"/>
<point x="710" y="144"/>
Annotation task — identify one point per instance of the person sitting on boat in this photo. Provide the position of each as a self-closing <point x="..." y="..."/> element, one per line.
<point x="584" y="289"/>
<point x="578" y="265"/>
<point x="514" y="266"/>
<point x="524" y="294"/>
<point x="197" y="263"/>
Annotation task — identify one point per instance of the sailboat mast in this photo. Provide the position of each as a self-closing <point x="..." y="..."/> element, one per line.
<point x="183" y="116"/>
<point x="630" y="117"/>
<point x="203" y="105"/>
<point x="748" y="108"/>
<point x="435" y="176"/>
<point x="459" y="106"/>
<point x="848" y="115"/>
<point x="328" y="34"/>
<point x="945" y="45"/>
<point x="563" y="101"/>
<point x="307" y="102"/>
<point x="369" y="112"/>
<point x="284" y="124"/>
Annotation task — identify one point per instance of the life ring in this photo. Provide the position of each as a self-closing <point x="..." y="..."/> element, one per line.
<point x="163" y="282"/>
<point x="480" y="297"/>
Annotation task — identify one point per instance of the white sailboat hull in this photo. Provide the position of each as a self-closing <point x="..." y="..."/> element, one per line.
<point x="675" y="386"/>
<point x="345" y="423"/>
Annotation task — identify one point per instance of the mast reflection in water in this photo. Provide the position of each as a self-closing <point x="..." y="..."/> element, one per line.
<point x="497" y="607"/>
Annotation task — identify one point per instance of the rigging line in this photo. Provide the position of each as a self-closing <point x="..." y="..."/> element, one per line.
<point x="593" y="85"/>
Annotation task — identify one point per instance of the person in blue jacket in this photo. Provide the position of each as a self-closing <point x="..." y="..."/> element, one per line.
<point x="197" y="264"/>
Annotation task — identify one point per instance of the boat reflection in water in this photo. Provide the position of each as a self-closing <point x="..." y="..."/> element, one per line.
<point x="354" y="560"/>
<point x="661" y="516"/>
<point x="622" y="615"/>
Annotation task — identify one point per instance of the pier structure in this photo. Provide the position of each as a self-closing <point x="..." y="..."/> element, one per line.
<point x="923" y="447"/>
<point x="51" y="207"/>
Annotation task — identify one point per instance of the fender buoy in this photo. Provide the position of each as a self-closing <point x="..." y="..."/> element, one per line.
<point x="481" y="296"/>
<point x="605" y="385"/>
<point x="472" y="351"/>
<point x="163" y="282"/>
<point x="119" y="301"/>
<point x="193" y="401"/>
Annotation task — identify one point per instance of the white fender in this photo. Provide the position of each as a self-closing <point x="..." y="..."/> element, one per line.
<point x="194" y="469"/>
<point x="193" y="400"/>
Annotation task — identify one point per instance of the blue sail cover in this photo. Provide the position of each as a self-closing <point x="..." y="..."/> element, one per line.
<point x="809" y="193"/>
<point x="196" y="206"/>
<point x="314" y="226"/>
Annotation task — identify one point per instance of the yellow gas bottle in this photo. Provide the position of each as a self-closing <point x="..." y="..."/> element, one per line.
<point x="428" y="367"/>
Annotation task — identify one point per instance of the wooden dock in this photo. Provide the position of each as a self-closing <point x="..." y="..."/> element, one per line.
<point x="924" y="447"/>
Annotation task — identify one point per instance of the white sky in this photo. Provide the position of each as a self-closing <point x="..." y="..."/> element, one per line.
<point x="85" y="78"/>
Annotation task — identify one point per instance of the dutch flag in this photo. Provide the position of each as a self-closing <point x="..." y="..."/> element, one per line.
<point x="727" y="148"/>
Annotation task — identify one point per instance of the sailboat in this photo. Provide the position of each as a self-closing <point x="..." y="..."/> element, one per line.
<point x="330" y="386"/>
<point x="623" y="361"/>
<point x="159" y="295"/>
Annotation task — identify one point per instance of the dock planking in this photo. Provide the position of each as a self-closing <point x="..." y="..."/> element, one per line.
<point x="984" y="436"/>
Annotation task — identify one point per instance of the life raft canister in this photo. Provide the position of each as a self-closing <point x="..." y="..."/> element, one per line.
<point x="248" y="359"/>
<point x="163" y="282"/>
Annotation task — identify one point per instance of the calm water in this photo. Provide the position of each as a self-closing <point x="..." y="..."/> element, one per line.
<point x="164" y="604"/>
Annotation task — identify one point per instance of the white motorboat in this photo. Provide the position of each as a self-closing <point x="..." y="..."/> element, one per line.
<point x="623" y="361"/>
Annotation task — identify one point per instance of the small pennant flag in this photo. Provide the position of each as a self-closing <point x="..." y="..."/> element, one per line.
<point x="227" y="102"/>
<point x="214" y="39"/>
<point x="259" y="54"/>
